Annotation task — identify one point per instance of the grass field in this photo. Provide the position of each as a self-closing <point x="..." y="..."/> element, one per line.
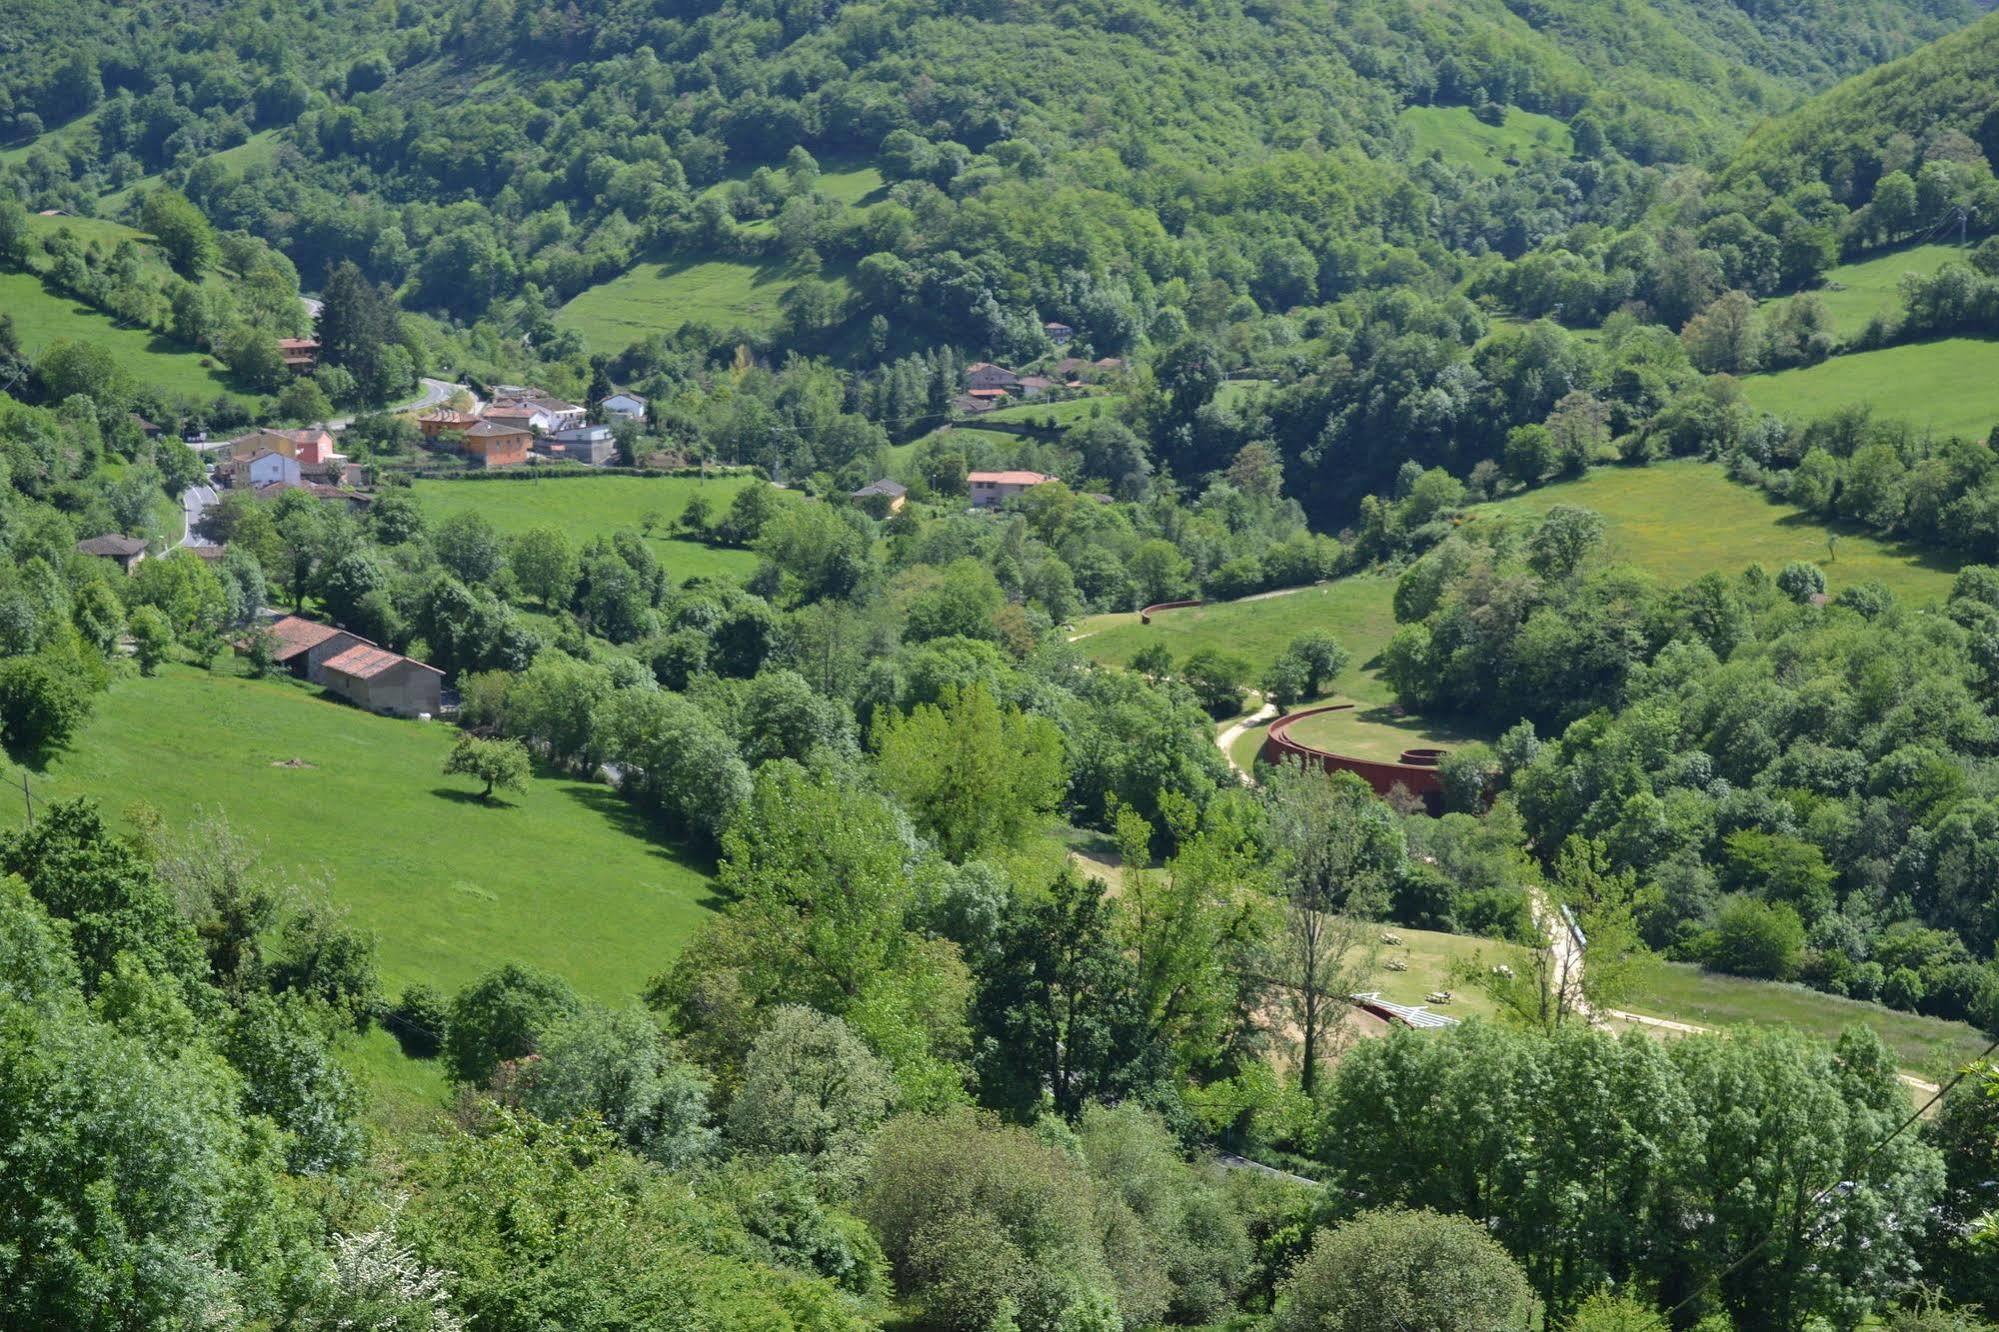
<point x="41" y="317"/>
<point x="1467" y="141"/>
<point x="1065" y="413"/>
<point x="1359" y="611"/>
<point x="1679" y="520"/>
<point x="259" y="148"/>
<point x="1378" y="733"/>
<point x="584" y="507"/>
<point x="1432" y="959"/>
<point x="564" y="875"/>
<point x="665" y="290"/>
<point x="1854" y="293"/>
<point x="1922" y="1045"/>
<point x="1949" y="386"/>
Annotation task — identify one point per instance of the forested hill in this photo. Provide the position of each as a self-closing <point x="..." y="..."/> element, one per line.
<point x="1939" y="102"/>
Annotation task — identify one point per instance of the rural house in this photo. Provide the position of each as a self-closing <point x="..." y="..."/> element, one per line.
<point x="624" y="407"/>
<point x="265" y="468"/>
<point x="590" y="444"/>
<point x="445" y="421"/>
<point x="384" y="681"/>
<point x="300" y="354"/>
<point x="124" y="551"/>
<point x="491" y="444"/>
<point x="991" y="489"/>
<point x="304" y="646"/>
<point x="1033" y="386"/>
<point x="894" y="492"/>
<point x="1059" y="334"/>
<point x="985" y="375"/>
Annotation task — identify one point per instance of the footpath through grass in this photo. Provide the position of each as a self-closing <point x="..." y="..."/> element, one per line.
<point x="588" y="506"/>
<point x="565" y="875"/>
<point x="1679" y="520"/>
<point x="1926" y="1046"/>
<point x="1949" y="386"/>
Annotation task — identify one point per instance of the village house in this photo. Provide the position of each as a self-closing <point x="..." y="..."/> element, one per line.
<point x="265" y="468"/>
<point x="300" y="354"/>
<point x="492" y="444"/>
<point x="985" y="375"/>
<point x="991" y="489"/>
<point x="1033" y="386"/>
<point x="445" y="421"/>
<point x="384" y="681"/>
<point x="590" y="444"/>
<point x="304" y="646"/>
<point x="1059" y="334"/>
<point x="519" y="412"/>
<point x="967" y="405"/>
<point x="146" y="428"/>
<point x="893" y="492"/>
<point x="624" y="407"/>
<point x="992" y="397"/>
<point x="123" y="551"/>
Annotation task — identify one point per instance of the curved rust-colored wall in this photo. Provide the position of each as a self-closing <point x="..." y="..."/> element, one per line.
<point x="1417" y="774"/>
<point x="1145" y="615"/>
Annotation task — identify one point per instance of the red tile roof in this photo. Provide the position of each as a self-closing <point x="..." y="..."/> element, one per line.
<point x="1008" y="478"/>
<point x="364" y="663"/>
<point x="295" y="635"/>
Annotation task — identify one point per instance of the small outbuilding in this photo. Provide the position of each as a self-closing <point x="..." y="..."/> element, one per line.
<point x="384" y="681"/>
<point x="123" y="551"/>
<point x="890" y="495"/>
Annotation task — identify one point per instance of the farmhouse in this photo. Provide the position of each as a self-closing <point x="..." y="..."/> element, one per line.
<point x="967" y="405"/>
<point x="304" y="646"/>
<point x="1033" y="386"/>
<point x="590" y="444"/>
<point x="527" y="413"/>
<point x="991" y="489"/>
<point x="992" y="397"/>
<point x="445" y="421"/>
<point x="123" y="551"/>
<point x="265" y="468"/>
<point x="300" y="354"/>
<point x="493" y="444"/>
<point x="986" y="375"/>
<point x="623" y="406"/>
<point x="894" y="492"/>
<point x="1059" y="334"/>
<point x="384" y="681"/>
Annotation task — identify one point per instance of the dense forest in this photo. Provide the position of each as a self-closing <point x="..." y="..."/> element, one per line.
<point x="1011" y="1004"/>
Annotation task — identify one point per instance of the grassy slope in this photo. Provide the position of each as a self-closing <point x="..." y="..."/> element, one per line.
<point x="1684" y="993"/>
<point x="562" y="875"/>
<point x="665" y="290"/>
<point x="1679" y="520"/>
<point x="1431" y="959"/>
<point x="591" y="506"/>
<point x="260" y="147"/>
<point x="1854" y="293"/>
<point x="1946" y="386"/>
<point x="1465" y="140"/>
<point x="1358" y="611"/>
<point x="41" y="317"/>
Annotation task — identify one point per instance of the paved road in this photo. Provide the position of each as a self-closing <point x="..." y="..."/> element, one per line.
<point x="435" y="393"/>
<point x="196" y="501"/>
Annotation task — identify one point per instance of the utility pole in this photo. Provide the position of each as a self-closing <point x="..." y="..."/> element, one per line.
<point x="28" y="796"/>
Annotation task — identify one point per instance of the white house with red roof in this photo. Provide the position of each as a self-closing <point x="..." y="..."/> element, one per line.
<point x="992" y="489"/>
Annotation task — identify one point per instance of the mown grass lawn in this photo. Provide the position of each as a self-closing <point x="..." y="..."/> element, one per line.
<point x="587" y="506"/>
<point x="1433" y="962"/>
<point x="1854" y="293"/>
<point x="1378" y="732"/>
<point x="564" y="875"/>
<point x="1359" y="611"/>
<point x="1949" y="386"/>
<point x="663" y="291"/>
<point x="1467" y="141"/>
<point x="1926" y="1046"/>
<point x="1679" y="520"/>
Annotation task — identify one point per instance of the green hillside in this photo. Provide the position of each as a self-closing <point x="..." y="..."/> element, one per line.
<point x="562" y="875"/>
<point x="41" y="317"/>
<point x="1680" y="520"/>
<point x="658" y="295"/>
<point x="1949" y="386"/>
<point x="1857" y="292"/>
<point x="584" y="507"/>
<point x="1465" y="140"/>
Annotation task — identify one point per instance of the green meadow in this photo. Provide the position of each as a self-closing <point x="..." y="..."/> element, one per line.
<point x="587" y="506"/>
<point x="1949" y="386"/>
<point x="1855" y="293"/>
<point x="1679" y="520"/>
<point x="1378" y="732"/>
<point x="1926" y="1046"/>
<point x="1465" y="140"/>
<point x="665" y="290"/>
<point x="564" y="875"/>
<point x="41" y="317"/>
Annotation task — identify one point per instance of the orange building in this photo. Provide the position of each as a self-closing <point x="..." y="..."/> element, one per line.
<point x="491" y="444"/>
<point x="445" y="421"/>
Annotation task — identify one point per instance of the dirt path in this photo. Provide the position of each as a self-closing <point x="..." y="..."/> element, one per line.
<point x="1230" y="734"/>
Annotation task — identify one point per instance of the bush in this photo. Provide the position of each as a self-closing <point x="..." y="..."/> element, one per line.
<point x="1216" y="679"/>
<point x="503" y="1016"/>
<point x="1754" y="938"/>
<point x="420" y="1019"/>
<point x="1391" y="1270"/>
